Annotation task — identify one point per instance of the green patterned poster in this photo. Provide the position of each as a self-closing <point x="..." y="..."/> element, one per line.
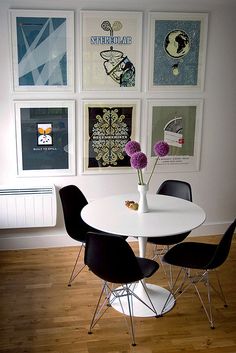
<point x="109" y="126"/>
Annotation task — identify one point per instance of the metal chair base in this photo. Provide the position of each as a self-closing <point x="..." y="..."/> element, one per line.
<point x="194" y="278"/>
<point x="111" y="294"/>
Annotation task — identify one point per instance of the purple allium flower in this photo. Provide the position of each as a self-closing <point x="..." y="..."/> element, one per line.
<point x="131" y="147"/>
<point x="138" y="160"/>
<point x="161" y="148"/>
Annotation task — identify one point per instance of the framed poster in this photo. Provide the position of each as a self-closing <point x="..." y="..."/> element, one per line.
<point x="108" y="126"/>
<point x="45" y="138"/>
<point x="111" y="50"/>
<point x="177" y="51"/>
<point x="179" y="123"/>
<point x="42" y="46"/>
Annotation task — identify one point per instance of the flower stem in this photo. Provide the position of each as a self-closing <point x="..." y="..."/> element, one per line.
<point x="152" y="170"/>
<point x="140" y="177"/>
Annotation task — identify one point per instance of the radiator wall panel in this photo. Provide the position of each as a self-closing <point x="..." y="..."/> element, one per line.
<point x="27" y="207"/>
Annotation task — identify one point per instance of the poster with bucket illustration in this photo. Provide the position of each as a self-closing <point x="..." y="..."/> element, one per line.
<point x="179" y="123"/>
<point x="111" y="50"/>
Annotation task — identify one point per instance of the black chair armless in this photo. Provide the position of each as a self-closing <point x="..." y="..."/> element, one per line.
<point x="196" y="260"/>
<point x="180" y="189"/>
<point x="111" y="258"/>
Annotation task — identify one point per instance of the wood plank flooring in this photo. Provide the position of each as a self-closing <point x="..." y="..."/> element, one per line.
<point x="40" y="314"/>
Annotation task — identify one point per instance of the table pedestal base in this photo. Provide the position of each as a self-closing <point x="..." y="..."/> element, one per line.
<point x="158" y="296"/>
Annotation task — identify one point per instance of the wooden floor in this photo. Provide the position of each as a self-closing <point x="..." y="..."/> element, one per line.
<point x="40" y="314"/>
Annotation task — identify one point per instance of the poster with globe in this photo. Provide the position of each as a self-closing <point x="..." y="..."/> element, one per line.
<point x="177" y="51"/>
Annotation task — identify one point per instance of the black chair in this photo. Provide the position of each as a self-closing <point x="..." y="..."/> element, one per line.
<point x="176" y="188"/>
<point x="111" y="258"/>
<point x="196" y="261"/>
<point x="73" y="200"/>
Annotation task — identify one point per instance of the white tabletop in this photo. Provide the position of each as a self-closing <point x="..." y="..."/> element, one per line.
<point x="167" y="216"/>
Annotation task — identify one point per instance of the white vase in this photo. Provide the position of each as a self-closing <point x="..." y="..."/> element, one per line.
<point x="143" y="205"/>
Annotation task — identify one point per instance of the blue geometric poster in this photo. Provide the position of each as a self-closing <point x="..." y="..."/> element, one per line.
<point x="41" y="44"/>
<point x="42" y="50"/>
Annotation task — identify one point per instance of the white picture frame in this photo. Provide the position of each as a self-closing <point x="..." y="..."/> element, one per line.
<point x="108" y="124"/>
<point x="179" y="123"/>
<point x="42" y="50"/>
<point x="45" y="138"/>
<point x="177" y="51"/>
<point x="111" y="50"/>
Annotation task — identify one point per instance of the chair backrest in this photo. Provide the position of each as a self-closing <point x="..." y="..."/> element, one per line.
<point x="222" y="250"/>
<point x="73" y="200"/>
<point x="176" y="188"/>
<point x="111" y="258"/>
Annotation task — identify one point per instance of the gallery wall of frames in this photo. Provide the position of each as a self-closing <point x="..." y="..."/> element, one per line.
<point x="110" y="64"/>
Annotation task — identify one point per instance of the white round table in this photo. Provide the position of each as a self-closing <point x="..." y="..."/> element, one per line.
<point x="167" y="216"/>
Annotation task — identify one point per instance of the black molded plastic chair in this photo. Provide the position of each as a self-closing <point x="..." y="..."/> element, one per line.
<point x="111" y="258"/>
<point x="73" y="200"/>
<point x="180" y="189"/>
<point x="196" y="261"/>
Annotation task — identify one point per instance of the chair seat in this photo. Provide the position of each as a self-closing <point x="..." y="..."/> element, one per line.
<point x="168" y="240"/>
<point x="148" y="267"/>
<point x="191" y="254"/>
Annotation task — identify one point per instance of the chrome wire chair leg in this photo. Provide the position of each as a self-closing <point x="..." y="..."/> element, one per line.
<point x="219" y="292"/>
<point x="170" y="277"/>
<point x="205" y="278"/>
<point x="158" y="253"/>
<point x="172" y="295"/>
<point x="125" y="291"/>
<point x="187" y="274"/>
<point x="130" y="306"/>
<point x="74" y="274"/>
<point x="99" y="312"/>
<point x="149" y="298"/>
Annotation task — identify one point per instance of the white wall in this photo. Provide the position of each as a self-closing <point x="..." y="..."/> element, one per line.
<point x="213" y="185"/>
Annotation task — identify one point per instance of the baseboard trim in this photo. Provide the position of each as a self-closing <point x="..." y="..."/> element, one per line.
<point x="16" y="242"/>
<point x="35" y="242"/>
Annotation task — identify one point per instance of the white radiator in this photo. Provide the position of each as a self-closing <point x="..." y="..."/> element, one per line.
<point x="24" y="207"/>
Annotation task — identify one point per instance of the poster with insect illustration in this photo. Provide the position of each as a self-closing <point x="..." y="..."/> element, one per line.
<point x="177" y="51"/>
<point x="111" y="50"/>
<point x="45" y="138"/>
<point x="44" y="134"/>
<point x="179" y="123"/>
<point x="42" y="50"/>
